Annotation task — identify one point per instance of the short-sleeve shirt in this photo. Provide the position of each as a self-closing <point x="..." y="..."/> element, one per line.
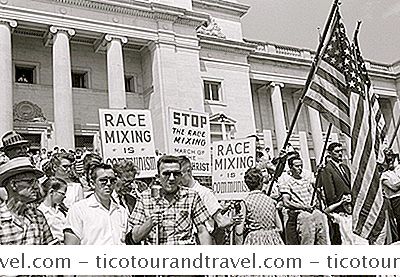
<point x="73" y="194"/>
<point x="31" y="229"/>
<point x="56" y="220"/>
<point x="210" y="201"/>
<point x="300" y="190"/>
<point x="93" y="224"/>
<point x="178" y="217"/>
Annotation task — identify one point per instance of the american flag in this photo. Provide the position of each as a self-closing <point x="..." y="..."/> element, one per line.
<point x="328" y="91"/>
<point x="341" y="91"/>
<point x="368" y="131"/>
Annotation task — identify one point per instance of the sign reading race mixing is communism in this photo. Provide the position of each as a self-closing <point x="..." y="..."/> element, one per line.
<point x="231" y="159"/>
<point x="189" y="135"/>
<point x="128" y="134"/>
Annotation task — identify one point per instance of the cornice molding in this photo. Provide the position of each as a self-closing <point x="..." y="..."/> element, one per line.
<point x="221" y="5"/>
<point x="11" y="23"/>
<point x="142" y="9"/>
<point x="231" y="46"/>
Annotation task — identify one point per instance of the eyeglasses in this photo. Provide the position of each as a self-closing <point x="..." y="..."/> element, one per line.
<point x="29" y="182"/>
<point x="105" y="181"/>
<point x="167" y="174"/>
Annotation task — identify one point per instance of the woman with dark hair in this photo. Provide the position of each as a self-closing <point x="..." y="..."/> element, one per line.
<point x="50" y="207"/>
<point x="262" y="223"/>
<point x="60" y="166"/>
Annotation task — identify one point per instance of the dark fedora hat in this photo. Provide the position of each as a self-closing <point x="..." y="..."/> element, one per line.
<point x="11" y="139"/>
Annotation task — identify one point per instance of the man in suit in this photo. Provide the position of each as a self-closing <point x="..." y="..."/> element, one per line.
<point x="334" y="178"/>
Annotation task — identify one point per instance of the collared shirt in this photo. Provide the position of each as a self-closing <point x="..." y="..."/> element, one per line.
<point x="73" y="194"/>
<point x="210" y="201"/>
<point x="178" y="216"/>
<point x="56" y="220"/>
<point x="300" y="190"/>
<point x="93" y="224"/>
<point x="30" y="229"/>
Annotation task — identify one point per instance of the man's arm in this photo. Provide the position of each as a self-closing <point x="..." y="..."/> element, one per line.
<point x="70" y="238"/>
<point x="224" y="221"/>
<point x="139" y="233"/>
<point x="289" y="203"/>
<point x="204" y="236"/>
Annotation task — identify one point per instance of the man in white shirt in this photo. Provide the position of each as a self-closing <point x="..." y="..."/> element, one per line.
<point x="208" y="198"/>
<point x="97" y="220"/>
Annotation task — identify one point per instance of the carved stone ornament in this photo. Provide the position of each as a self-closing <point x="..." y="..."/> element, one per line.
<point x="212" y="29"/>
<point x="28" y="112"/>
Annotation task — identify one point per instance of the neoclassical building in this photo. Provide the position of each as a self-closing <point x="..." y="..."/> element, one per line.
<point x="62" y="60"/>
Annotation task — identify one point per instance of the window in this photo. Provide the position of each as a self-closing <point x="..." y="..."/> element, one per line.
<point x="84" y="141"/>
<point x="34" y="141"/>
<point x="222" y="127"/>
<point x="80" y="79"/>
<point x="25" y="74"/>
<point x="212" y="91"/>
<point x="130" y="83"/>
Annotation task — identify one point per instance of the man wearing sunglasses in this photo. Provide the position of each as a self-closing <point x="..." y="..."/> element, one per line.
<point x="98" y="219"/>
<point x="170" y="217"/>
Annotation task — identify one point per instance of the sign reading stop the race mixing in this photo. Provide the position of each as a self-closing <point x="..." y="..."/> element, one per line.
<point x="189" y="135"/>
<point x="231" y="159"/>
<point x="128" y="134"/>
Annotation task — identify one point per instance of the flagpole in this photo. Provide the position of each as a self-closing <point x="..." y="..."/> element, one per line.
<point x="321" y="160"/>
<point x="307" y="85"/>
<point x="394" y="134"/>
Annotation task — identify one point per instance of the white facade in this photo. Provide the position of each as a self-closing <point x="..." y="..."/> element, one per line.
<point x="186" y="54"/>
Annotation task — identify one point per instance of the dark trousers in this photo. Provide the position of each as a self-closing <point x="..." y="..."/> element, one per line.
<point x="395" y="203"/>
<point x="291" y="235"/>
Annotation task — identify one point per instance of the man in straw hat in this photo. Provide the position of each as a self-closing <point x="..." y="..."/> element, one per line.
<point x="14" y="145"/>
<point x="22" y="223"/>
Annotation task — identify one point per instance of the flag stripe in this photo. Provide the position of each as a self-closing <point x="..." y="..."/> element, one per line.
<point x="328" y="115"/>
<point x="330" y="93"/>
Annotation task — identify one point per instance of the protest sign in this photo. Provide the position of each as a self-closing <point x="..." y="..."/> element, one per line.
<point x="189" y="135"/>
<point x="128" y="134"/>
<point x="231" y="159"/>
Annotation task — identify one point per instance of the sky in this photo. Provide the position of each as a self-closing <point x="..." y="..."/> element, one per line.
<point x="295" y="23"/>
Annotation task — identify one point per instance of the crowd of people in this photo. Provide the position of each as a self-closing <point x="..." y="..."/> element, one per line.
<point x="72" y="197"/>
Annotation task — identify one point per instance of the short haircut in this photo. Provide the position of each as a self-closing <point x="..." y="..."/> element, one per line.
<point x="254" y="136"/>
<point x="333" y="145"/>
<point x="125" y="166"/>
<point x="53" y="183"/>
<point x="183" y="160"/>
<point x="292" y="159"/>
<point x="167" y="159"/>
<point x="96" y="167"/>
<point x="253" y="178"/>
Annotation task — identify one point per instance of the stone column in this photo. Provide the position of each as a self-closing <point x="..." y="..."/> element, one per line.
<point x="267" y="135"/>
<point x="6" y="78"/>
<point x="316" y="132"/>
<point x="392" y="125"/>
<point x="279" y="115"/>
<point x="115" y="72"/>
<point x="304" y="150"/>
<point x="62" y="88"/>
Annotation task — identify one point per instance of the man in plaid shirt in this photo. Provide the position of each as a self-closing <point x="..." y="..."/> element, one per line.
<point x="21" y="223"/>
<point x="170" y="218"/>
